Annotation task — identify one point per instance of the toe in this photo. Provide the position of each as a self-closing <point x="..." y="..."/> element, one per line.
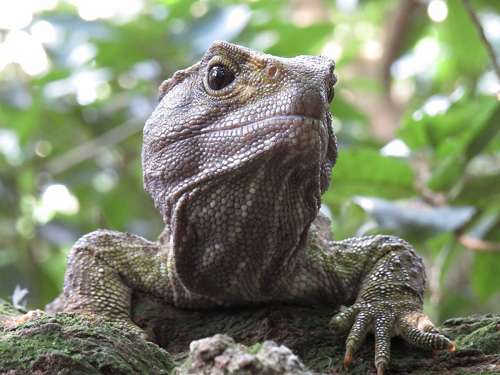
<point x="357" y="336"/>
<point x="427" y="340"/>
<point x="343" y="321"/>
<point x="417" y="329"/>
<point x="423" y="323"/>
<point x="383" y="333"/>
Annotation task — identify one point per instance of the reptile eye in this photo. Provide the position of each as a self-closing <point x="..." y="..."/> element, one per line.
<point x="220" y="77"/>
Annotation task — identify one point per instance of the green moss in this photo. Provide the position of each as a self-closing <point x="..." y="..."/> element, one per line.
<point x="184" y="368"/>
<point x="468" y="372"/>
<point x="486" y="339"/>
<point x="476" y="331"/>
<point x="6" y="309"/>
<point x="84" y="344"/>
<point x="254" y="349"/>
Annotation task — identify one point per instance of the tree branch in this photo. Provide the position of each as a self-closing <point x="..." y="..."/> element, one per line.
<point x="397" y="29"/>
<point x="479" y="245"/>
<point x="95" y="146"/>
<point x="480" y="29"/>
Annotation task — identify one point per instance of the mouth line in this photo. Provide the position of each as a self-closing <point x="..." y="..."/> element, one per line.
<point x="283" y="117"/>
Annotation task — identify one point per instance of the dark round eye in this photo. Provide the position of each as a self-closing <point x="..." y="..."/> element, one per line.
<point x="219" y="77"/>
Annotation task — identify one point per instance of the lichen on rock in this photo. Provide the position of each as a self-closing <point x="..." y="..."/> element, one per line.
<point x="219" y="354"/>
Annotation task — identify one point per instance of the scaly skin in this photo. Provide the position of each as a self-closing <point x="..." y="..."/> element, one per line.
<point x="236" y="156"/>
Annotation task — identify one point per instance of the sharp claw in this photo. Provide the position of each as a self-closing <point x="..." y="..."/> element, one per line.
<point x="348" y="356"/>
<point x="451" y="347"/>
<point x="381" y="368"/>
<point x="435" y="353"/>
<point x="22" y="319"/>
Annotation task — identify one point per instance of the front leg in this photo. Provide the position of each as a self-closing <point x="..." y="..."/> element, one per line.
<point x="383" y="280"/>
<point x="105" y="267"/>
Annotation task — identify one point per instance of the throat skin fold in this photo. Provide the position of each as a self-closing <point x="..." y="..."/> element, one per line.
<point x="255" y="233"/>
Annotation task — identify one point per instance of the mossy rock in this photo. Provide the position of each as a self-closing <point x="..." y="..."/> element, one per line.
<point x="69" y="343"/>
<point x="75" y="344"/>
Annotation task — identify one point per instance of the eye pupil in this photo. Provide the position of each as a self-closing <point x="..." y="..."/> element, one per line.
<point x="220" y="77"/>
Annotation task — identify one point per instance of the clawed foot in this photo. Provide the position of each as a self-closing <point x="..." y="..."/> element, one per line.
<point x="386" y="320"/>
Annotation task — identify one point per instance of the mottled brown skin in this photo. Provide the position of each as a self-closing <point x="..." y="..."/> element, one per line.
<point x="236" y="156"/>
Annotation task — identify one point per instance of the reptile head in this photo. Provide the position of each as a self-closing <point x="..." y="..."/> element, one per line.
<point x="241" y="138"/>
<point x="234" y="109"/>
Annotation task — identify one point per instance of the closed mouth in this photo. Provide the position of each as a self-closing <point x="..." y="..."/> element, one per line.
<point x="257" y="124"/>
<point x="239" y="129"/>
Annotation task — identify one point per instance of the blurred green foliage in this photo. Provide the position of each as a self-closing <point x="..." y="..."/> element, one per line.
<point x="416" y="114"/>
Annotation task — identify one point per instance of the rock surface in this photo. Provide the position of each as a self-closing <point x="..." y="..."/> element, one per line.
<point x="302" y="344"/>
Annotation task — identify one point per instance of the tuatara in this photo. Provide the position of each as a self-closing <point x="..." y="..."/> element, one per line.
<point x="236" y="156"/>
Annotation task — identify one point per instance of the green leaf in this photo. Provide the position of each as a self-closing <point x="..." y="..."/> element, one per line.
<point x="479" y="191"/>
<point x="468" y="51"/>
<point x="414" y="132"/>
<point x="447" y="173"/>
<point x="294" y="41"/>
<point x="456" y="121"/>
<point x="366" y="172"/>
<point x="483" y="128"/>
<point x="485" y="271"/>
<point x="414" y="218"/>
<point x="344" y="110"/>
<point x="484" y="134"/>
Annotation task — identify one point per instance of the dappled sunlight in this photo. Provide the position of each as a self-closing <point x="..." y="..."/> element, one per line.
<point x="15" y="14"/>
<point x="396" y="148"/>
<point x="58" y="198"/>
<point x="86" y="85"/>
<point x="420" y="62"/>
<point x="44" y="32"/>
<point x="25" y="47"/>
<point x="437" y="10"/>
<point x="9" y="146"/>
<point x="22" y="48"/>
<point x="437" y="104"/>
<point x="332" y="49"/>
<point x="120" y="11"/>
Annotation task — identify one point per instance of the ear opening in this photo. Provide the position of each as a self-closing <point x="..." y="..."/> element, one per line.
<point x="177" y="78"/>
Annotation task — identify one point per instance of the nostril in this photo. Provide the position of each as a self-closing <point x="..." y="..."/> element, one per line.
<point x="333" y="76"/>
<point x="271" y="71"/>
<point x="330" y="93"/>
<point x="333" y="81"/>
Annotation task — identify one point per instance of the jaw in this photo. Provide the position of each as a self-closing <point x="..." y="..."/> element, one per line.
<point x="194" y="160"/>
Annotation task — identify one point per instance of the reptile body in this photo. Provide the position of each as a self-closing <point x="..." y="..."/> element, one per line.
<point x="236" y="156"/>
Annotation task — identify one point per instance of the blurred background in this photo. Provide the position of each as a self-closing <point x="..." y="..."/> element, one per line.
<point x="417" y="114"/>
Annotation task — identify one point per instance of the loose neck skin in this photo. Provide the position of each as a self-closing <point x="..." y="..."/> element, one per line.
<point x="241" y="234"/>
